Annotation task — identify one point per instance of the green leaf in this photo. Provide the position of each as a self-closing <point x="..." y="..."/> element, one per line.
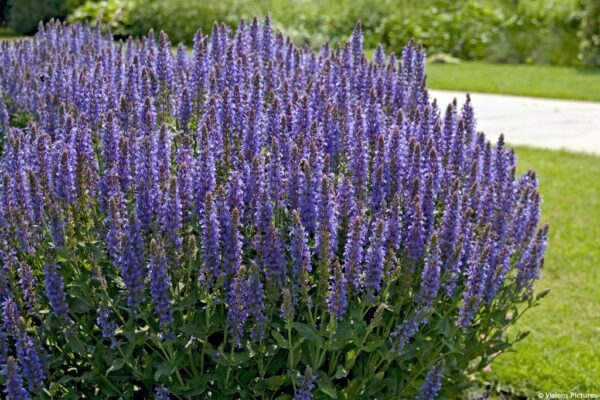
<point x="275" y="382"/>
<point x="240" y="358"/>
<point x="163" y="370"/>
<point x="76" y="344"/>
<point x="197" y="386"/>
<point x="79" y="305"/>
<point x="358" y="331"/>
<point x="281" y="342"/>
<point x="186" y="303"/>
<point x="342" y="336"/>
<point x="218" y="357"/>
<point x="351" y="355"/>
<point x="542" y="294"/>
<point x="195" y="331"/>
<point x="130" y="335"/>
<point x="352" y="390"/>
<point x="522" y="335"/>
<point x="66" y="379"/>
<point x="326" y="386"/>
<point x="341" y="372"/>
<point x="116" y="365"/>
<point x="309" y="333"/>
<point x="497" y="346"/>
<point x="373" y="345"/>
<point x="445" y="327"/>
<point x="350" y="359"/>
<point x="451" y="345"/>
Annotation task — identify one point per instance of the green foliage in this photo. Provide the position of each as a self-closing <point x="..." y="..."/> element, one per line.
<point x="463" y="29"/>
<point x="541" y="35"/>
<point x="540" y="31"/>
<point x="590" y="33"/>
<point x="114" y="15"/>
<point x="197" y="358"/>
<point x="25" y="15"/>
<point x="3" y="11"/>
<point x="181" y="18"/>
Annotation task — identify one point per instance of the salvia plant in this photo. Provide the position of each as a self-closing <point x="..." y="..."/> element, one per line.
<point x="250" y="220"/>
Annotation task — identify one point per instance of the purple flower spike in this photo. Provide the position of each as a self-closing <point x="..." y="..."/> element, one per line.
<point x="54" y="290"/>
<point x="14" y="389"/>
<point x="131" y="262"/>
<point x="300" y="250"/>
<point x="404" y="332"/>
<point x="232" y="246"/>
<point x="210" y="238"/>
<point x="11" y="316"/>
<point x="160" y="284"/>
<point x="327" y="229"/>
<point x="336" y="298"/>
<point x="353" y="254"/>
<point x="304" y="392"/>
<point x="375" y="258"/>
<point x="27" y="283"/>
<point x="430" y="278"/>
<point x="475" y="286"/>
<point x="170" y="217"/>
<point x="256" y="301"/>
<point x="433" y="383"/>
<point x="31" y="362"/>
<point x="238" y="298"/>
<point x="162" y="393"/>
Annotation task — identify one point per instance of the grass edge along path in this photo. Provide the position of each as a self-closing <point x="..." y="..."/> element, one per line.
<point x="524" y="80"/>
<point x="562" y="353"/>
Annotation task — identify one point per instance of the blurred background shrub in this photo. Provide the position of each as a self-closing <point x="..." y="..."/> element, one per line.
<point x="461" y="28"/>
<point x="557" y="32"/>
<point x="590" y="33"/>
<point x="3" y="11"/>
<point x="23" y="16"/>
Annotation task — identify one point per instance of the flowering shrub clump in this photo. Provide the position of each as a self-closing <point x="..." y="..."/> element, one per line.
<point x="253" y="220"/>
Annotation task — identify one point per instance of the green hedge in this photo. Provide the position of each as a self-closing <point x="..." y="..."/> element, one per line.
<point x="23" y="16"/>
<point x="3" y="11"/>
<point x="590" y="33"/>
<point x="514" y="31"/>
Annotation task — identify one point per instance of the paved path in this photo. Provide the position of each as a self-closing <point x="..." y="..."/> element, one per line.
<point x="546" y="123"/>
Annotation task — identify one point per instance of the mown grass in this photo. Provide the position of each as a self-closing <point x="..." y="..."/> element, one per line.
<point x="8" y="34"/>
<point x="562" y="353"/>
<point x="526" y="80"/>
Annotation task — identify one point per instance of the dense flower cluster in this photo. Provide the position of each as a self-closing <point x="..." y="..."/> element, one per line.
<point x="251" y="175"/>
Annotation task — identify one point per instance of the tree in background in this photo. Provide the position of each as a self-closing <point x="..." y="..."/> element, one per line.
<point x="23" y="16"/>
<point x="590" y="33"/>
<point x="3" y="11"/>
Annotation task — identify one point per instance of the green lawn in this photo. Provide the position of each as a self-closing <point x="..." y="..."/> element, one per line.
<point x="562" y="354"/>
<point x="527" y="80"/>
<point x="7" y="34"/>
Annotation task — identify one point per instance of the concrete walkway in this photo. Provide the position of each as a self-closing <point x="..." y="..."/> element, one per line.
<point x="547" y="123"/>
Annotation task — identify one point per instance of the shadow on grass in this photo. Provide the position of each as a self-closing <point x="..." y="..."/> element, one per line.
<point x="6" y="32"/>
<point x="483" y="389"/>
<point x="589" y="71"/>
